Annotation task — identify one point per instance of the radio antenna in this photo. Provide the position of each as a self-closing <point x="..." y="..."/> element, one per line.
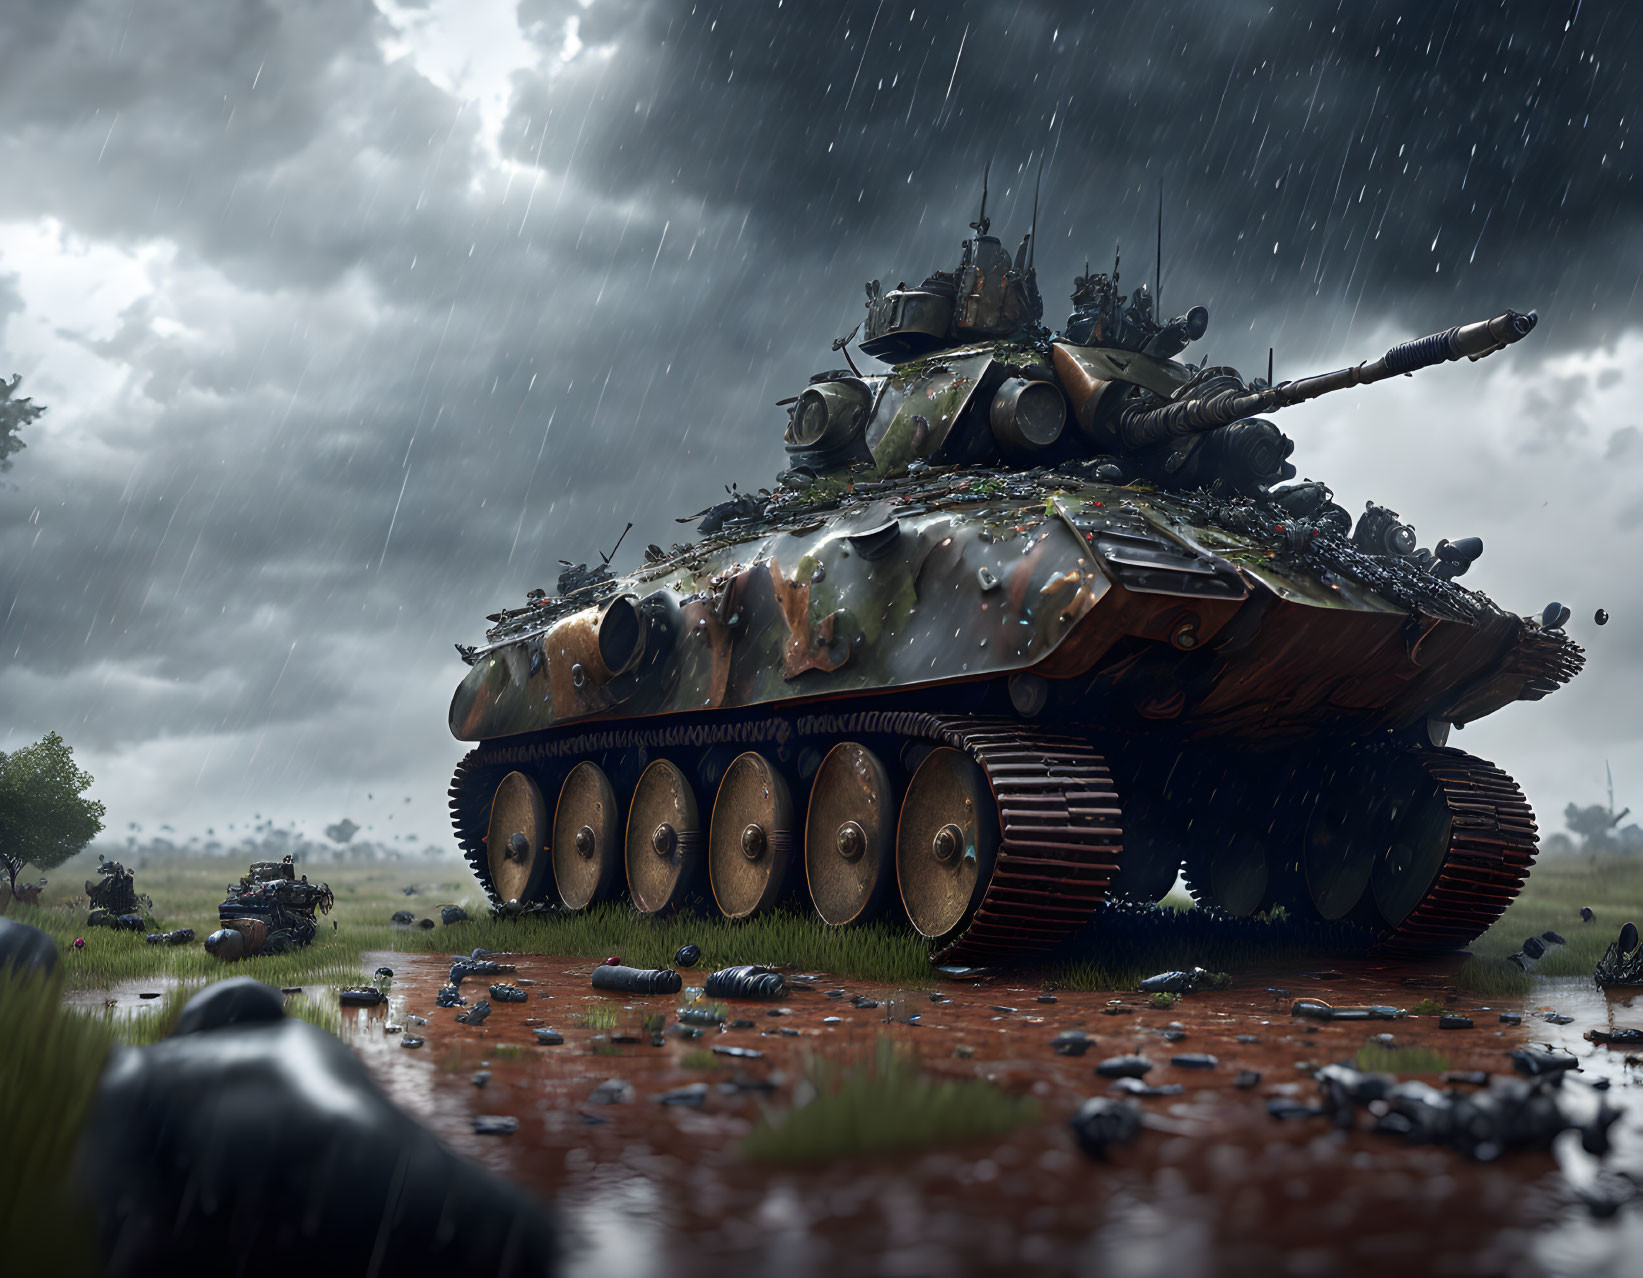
<point x="1032" y="244"/>
<point x="980" y="225"/>
<point x="618" y="545"/>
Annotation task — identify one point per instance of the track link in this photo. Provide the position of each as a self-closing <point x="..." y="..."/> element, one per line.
<point x="1058" y="812"/>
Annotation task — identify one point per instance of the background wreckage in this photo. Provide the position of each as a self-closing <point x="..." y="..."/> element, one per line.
<point x="1028" y="625"/>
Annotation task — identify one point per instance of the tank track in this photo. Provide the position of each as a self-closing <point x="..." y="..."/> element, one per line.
<point x="1492" y="844"/>
<point x="1057" y="808"/>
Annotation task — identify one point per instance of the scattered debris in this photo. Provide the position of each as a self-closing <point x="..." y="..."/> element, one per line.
<point x="1124" y="1067"/>
<point x="749" y="981"/>
<point x="1247" y="1079"/>
<point x="481" y="1078"/>
<point x="546" y="1037"/>
<point x="269" y="911"/>
<point x="360" y="996"/>
<point x="1135" y="1087"/>
<point x="1189" y="981"/>
<point x="1601" y="617"/>
<point x="1535" y="1061"/>
<point x="1622" y="962"/>
<point x="508" y="994"/>
<point x="1071" y="1043"/>
<point x="495" y="1125"/>
<point x="1454" y="1022"/>
<point x="1194" y="1060"/>
<point x="476" y="1014"/>
<point x="1101" y="1122"/>
<point x="613" y="1091"/>
<point x="181" y="936"/>
<point x="1586" y="915"/>
<point x="411" y="1040"/>
<point x="1318" y="1010"/>
<point x="687" y="956"/>
<point x="1511" y="1018"/>
<point x="1619" y="1036"/>
<point x="692" y="1094"/>
<point x="450" y="914"/>
<point x="741" y="1053"/>
<point x="1557" y="1018"/>
<point x="448" y="996"/>
<point x="636" y="980"/>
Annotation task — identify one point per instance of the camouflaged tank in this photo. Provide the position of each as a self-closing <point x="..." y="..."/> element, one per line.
<point x="1032" y="622"/>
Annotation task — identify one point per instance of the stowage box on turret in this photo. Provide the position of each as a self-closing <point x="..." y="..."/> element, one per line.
<point x="1030" y="622"/>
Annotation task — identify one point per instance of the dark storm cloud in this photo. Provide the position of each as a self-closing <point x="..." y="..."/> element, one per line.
<point x="380" y="384"/>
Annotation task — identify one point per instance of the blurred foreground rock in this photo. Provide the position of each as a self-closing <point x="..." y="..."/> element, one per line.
<point x="26" y="948"/>
<point x="253" y="1144"/>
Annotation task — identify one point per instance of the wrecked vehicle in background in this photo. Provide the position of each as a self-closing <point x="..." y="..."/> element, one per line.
<point x="268" y="911"/>
<point x="1032" y="621"/>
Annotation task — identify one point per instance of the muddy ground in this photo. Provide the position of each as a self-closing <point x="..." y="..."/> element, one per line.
<point x="1213" y="1184"/>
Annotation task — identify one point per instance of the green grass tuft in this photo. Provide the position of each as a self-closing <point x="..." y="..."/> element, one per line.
<point x="1376" y="1058"/>
<point x="882" y="1104"/>
<point x="50" y="1060"/>
<point x="1428" y="1007"/>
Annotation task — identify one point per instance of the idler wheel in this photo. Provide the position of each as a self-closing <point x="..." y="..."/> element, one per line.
<point x="750" y="839"/>
<point x="516" y="838"/>
<point x="587" y="838"/>
<point x="664" y="839"/>
<point x="849" y="835"/>
<point x="946" y="841"/>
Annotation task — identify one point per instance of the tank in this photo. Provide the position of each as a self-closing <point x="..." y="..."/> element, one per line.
<point x="1032" y="623"/>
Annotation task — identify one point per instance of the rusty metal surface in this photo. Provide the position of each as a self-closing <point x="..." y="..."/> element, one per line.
<point x="850" y="830"/>
<point x="517" y="808"/>
<point x="664" y="839"/>
<point x="751" y="841"/>
<point x="587" y="838"/>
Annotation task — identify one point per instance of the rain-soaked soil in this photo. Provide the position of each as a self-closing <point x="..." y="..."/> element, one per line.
<point x="1213" y="1184"/>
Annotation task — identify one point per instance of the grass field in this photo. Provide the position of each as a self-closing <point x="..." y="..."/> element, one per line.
<point x="187" y="892"/>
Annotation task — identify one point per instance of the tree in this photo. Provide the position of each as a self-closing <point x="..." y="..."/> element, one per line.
<point x="44" y="818"/>
<point x="14" y="415"/>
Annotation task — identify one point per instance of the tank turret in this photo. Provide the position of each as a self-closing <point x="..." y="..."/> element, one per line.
<point x="988" y="295"/>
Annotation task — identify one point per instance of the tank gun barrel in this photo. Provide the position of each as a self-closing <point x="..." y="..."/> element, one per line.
<point x="1139" y="427"/>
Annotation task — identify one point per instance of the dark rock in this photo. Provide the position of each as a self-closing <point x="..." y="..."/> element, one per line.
<point x="835" y="993"/>
<point x="1124" y="1067"/>
<point x="481" y="1078"/>
<point x="692" y="1094"/>
<point x="239" y="1000"/>
<point x="411" y="1040"/>
<point x="1247" y="1078"/>
<point x="1466" y="1077"/>
<point x="1101" y="1122"/>
<point x="1557" y="1018"/>
<point x="1246" y="1038"/>
<point x="26" y="949"/>
<point x="1071" y="1043"/>
<point x="495" y="1124"/>
<point x="448" y="997"/>
<point x="426" y="925"/>
<point x="1194" y="1060"/>
<point x="453" y="914"/>
<point x="1042" y="998"/>
<point x="1454" y="1022"/>
<point x="687" y="956"/>
<point x="1586" y="915"/>
<point x="748" y="981"/>
<point x="360" y="996"/>
<point x="1135" y="1087"/>
<point x="196" y="1148"/>
<point x="780" y="1011"/>
<point x="1511" y="1018"/>
<point x="1536" y="1061"/>
<point x="863" y="1001"/>
<point x="384" y="973"/>
<point x="1007" y="1010"/>
<point x="1174" y="1035"/>
<point x="476" y="1014"/>
<point x="739" y="1024"/>
<point x="1284" y="1108"/>
<point x="508" y="994"/>
<point x="700" y="1016"/>
<point x="613" y="1091"/>
<point x="402" y="918"/>
<point x="546" y="1037"/>
<point x="180" y="936"/>
<point x="743" y="1053"/>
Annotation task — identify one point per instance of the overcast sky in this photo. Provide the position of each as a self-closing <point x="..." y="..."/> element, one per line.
<point x="352" y="319"/>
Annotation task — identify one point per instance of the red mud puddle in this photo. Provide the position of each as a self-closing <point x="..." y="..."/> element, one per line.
<point x="1214" y="1184"/>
